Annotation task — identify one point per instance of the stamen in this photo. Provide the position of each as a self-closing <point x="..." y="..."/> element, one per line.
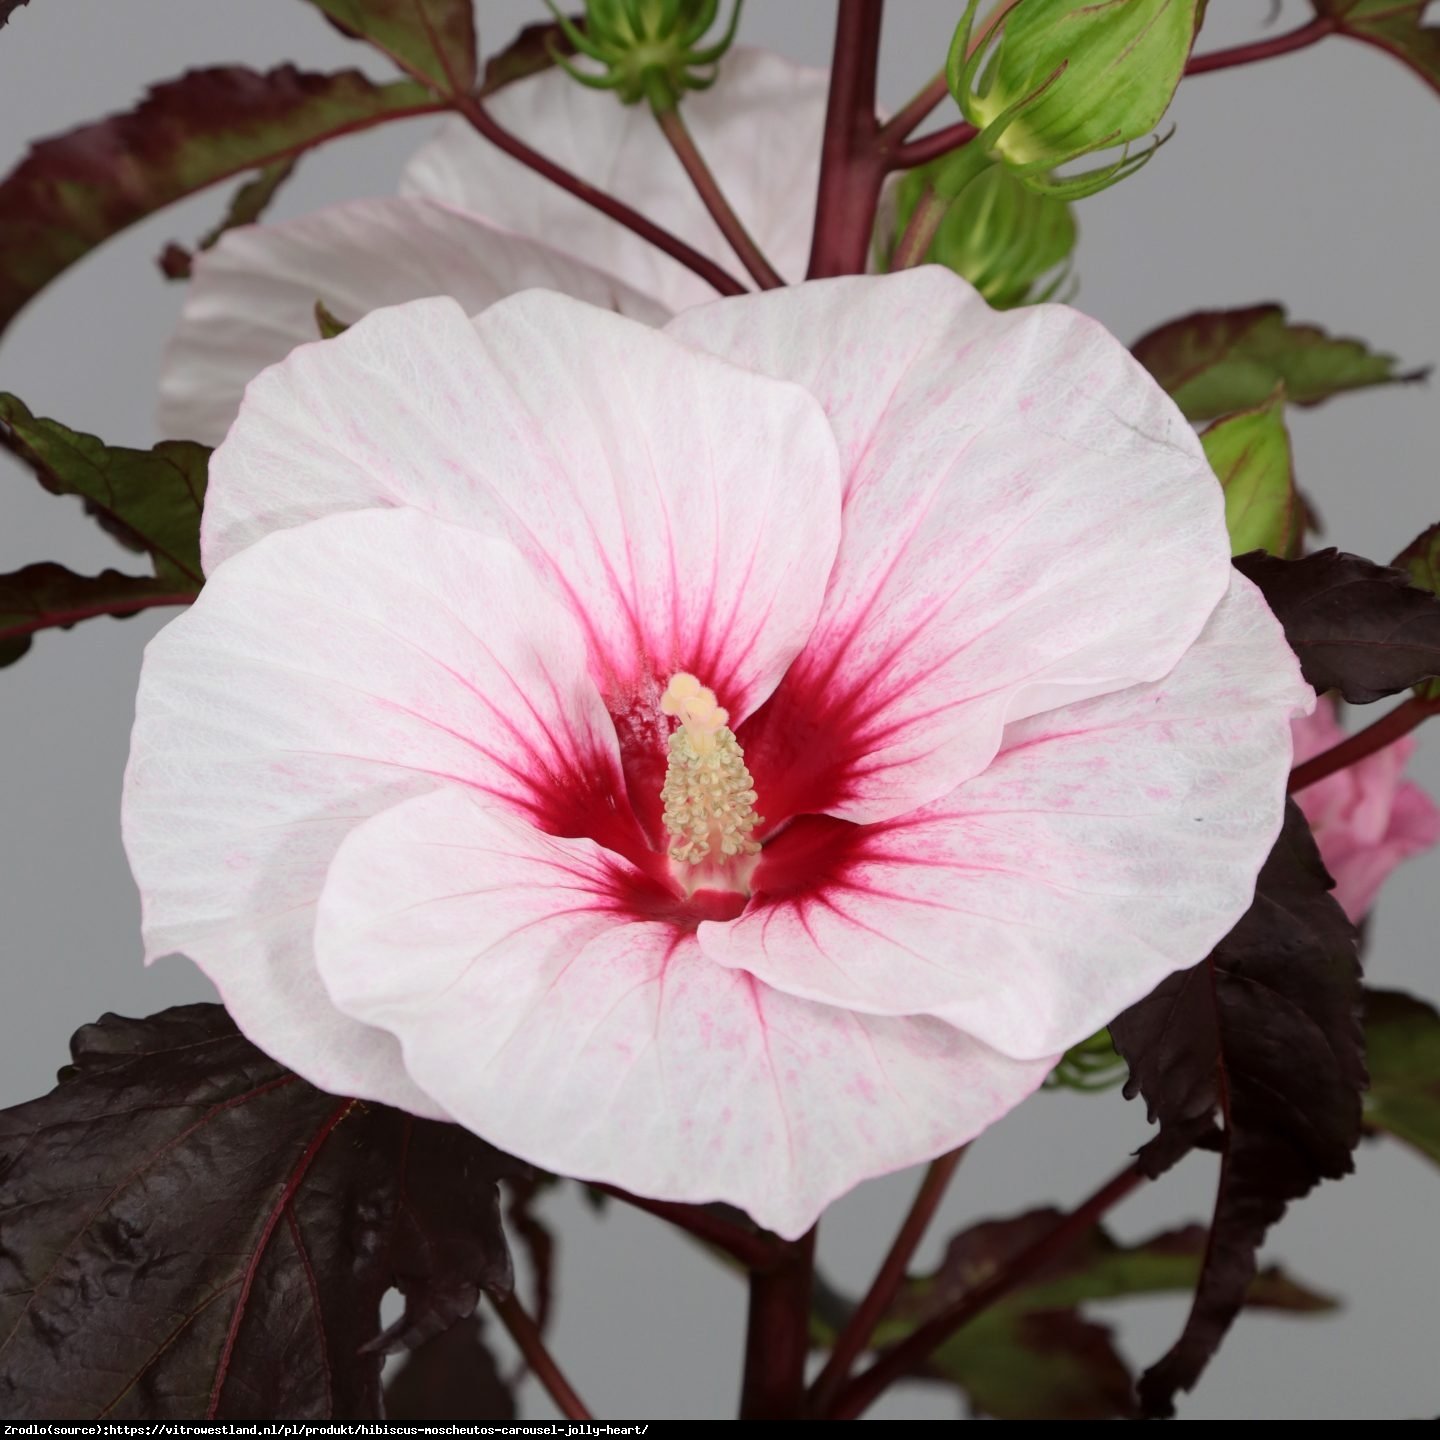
<point x="709" y="797"/>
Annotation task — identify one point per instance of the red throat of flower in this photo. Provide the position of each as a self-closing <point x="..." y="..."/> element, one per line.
<point x="709" y="797"/>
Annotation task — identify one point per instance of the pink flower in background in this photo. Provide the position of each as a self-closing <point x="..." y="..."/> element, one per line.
<point x="473" y="224"/>
<point x="1367" y="818"/>
<point x="729" y="760"/>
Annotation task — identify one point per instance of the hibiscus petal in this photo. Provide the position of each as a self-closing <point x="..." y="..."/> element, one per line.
<point x="1108" y="844"/>
<point x="327" y="673"/>
<point x="542" y="1009"/>
<point x="758" y="127"/>
<point x="1028" y="521"/>
<point x="664" y="493"/>
<point x="252" y="297"/>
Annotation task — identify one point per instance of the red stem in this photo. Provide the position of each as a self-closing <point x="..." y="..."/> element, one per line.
<point x="932" y="146"/>
<point x="852" y="165"/>
<point x="777" y="1338"/>
<point x="1317" y="29"/>
<point x="755" y="1252"/>
<point x="617" y="210"/>
<point x="526" y="1335"/>
<point x="1385" y="731"/>
<point x="912" y="1352"/>
<point x="855" y="1337"/>
<point x="675" y="130"/>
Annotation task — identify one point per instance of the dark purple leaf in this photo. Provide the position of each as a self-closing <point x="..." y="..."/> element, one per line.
<point x="452" y="1377"/>
<point x="190" y="1232"/>
<point x="50" y="597"/>
<point x="246" y="206"/>
<point x="1265" y="1034"/>
<point x="9" y="7"/>
<point x="76" y="190"/>
<point x="433" y="40"/>
<point x="531" y="51"/>
<point x="1360" y="628"/>
<point x="535" y="1238"/>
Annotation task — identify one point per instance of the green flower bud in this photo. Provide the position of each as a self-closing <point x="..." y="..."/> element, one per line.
<point x="1090" y="1065"/>
<point x="1002" y="237"/>
<point x="650" y="49"/>
<point x="1060" y="79"/>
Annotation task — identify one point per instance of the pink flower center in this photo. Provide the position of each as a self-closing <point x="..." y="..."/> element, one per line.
<point x="708" y="795"/>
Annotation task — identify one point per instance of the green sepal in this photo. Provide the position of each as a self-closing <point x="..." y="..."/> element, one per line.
<point x="1072" y="78"/>
<point x="648" y="50"/>
<point x="1000" y="235"/>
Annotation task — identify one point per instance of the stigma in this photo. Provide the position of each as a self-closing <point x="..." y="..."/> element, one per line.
<point x="709" y="797"/>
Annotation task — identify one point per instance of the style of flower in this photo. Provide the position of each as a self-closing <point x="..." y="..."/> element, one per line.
<point x="729" y="760"/>
<point x="1367" y="818"/>
<point x="472" y="223"/>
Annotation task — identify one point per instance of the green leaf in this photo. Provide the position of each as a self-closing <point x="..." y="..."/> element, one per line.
<point x="1250" y="455"/>
<point x="50" y="597"/>
<point x="1420" y="560"/>
<point x="1395" y="26"/>
<point x="1217" y="361"/>
<point x="76" y="190"/>
<point x="433" y="40"/>
<point x="1035" y="1355"/>
<point x="1402" y="1035"/>
<point x="151" y="499"/>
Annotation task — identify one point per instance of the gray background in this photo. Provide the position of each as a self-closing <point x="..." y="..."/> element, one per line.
<point x="1308" y="180"/>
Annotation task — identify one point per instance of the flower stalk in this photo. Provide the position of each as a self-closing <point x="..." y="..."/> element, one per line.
<point x="777" y="1338"/>
<point x="1389" y="728"/>
<point x="486" y="124"/>
<point x="673" y="127"/>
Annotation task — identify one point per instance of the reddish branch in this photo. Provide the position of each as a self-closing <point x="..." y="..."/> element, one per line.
<point x="526" y="1335"/>
<point x="912" y="1352"/>
<point x="1385" y="731"/>
<point x="1317" y="29"/>
<point x="855" y="1337"/>
<point x="707" y="187"/>
<point x="617" y="210"/>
